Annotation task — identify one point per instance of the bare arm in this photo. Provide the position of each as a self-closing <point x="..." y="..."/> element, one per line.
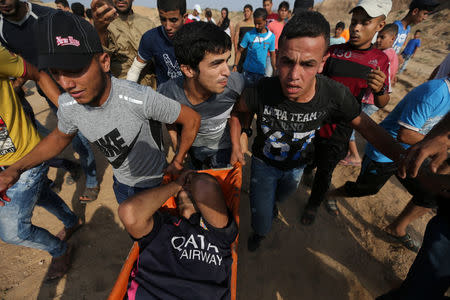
<point x="44" y="81"/>
<point x="408" y="136"/>
<point x="136" y="213"/>
<point x="375" y="80"/>
<point x="273" y="61"/>
<point x="190" y="122"/>
<point x="103" y="14"/>
<point x="48" y="148"/>
<point x="378" y="137"/>
<point x="237" y="58"/>
<point x="435" y="145"/>
<point x="240" y="111"/>
<point x="236" y="37"/>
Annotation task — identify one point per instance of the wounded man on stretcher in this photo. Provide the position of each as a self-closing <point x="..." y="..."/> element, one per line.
<point x="182" y="256"/>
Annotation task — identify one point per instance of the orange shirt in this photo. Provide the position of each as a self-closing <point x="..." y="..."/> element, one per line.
<point x="346" y="34"/>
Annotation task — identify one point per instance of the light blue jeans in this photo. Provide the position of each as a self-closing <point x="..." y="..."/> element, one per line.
<point x="267" y="185"/>
<point x="15" y="217"/>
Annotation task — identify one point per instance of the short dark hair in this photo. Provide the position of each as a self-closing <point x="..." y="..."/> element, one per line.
<point x="248" y="6"/>
<point x="306" y="24"/>
<point x="194" y="40"/>
<point x="421" y="6"/>
<point x="390" y="28"/>
<point x="171" y="5"/>
<point x="340" y="25"/>
<point x="64" y="3"/>
<point x="260" y="13"/>
<point x="266" y="0"/>
<point x="77" y="9"/>
<point x="283" y="4"/>
<point x="208" y="12"/>
<point x="89" y="13"/>
<point x="418" y="31"/>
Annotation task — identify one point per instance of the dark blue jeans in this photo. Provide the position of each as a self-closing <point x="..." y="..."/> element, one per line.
<point x="123" y="191"/>
<point x="15" y="217"/>
<point x="205" y="158"/>
<point x="267" y="185"/>
<point x="429" y="275"/>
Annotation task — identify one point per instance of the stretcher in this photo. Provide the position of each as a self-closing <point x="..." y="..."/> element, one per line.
<point x="230" y="180"/>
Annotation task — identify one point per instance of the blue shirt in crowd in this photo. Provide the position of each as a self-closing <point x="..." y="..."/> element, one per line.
<point x="257" y="44"/>
<point x="402" y="35"/>
<point x="155" y="44"/>
<point x="419" y="111"/>
<point x="411" y="47"/>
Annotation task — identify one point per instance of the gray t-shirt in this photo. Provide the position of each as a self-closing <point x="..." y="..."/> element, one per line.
<point x="126" y="128"/>
<point x="213" y="132"/>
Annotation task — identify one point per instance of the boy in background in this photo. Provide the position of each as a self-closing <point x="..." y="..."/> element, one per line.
<point x="338" y="39"/>
<point x="364" y="70"/>
<point x="277" y="26"/>
<point x="258" y="42"/>
<point x="241" y="29"/>
<point x="385" y="40"/>
<point x="271" y="16"/>
<point x="410" y="50"/>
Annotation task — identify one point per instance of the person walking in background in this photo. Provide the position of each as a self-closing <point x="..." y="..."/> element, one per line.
<point x="208" y="16"/>
<point x="225" y="23"/>
<point x="385" y="41"/>
<point x="242" y="28"/>
<point x="156" y="44"/>
<point x="78" y="9"/>
<point x="410" y="50"/>
<point x="338" y="39"/>
<point x="277" y="26"/>
<point x="271" y="16"/>
<point x="196" y="12"/>
<point x="258" y="42"/>
<point x="62" y="5"/>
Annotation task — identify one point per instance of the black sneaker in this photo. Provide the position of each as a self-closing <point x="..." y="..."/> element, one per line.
<point x="254" y="241"/>
<point x="74" y="170"/>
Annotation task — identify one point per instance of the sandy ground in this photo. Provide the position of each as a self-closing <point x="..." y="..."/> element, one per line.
<point x="348" y="257"/>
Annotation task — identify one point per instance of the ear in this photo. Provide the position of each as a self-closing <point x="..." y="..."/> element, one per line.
<point x="322" y="63"/>
<point x="415" y="11"/>
<point x="188" y="71"/>
<point x="381" y="25"/>
<point x="105" y="62"/>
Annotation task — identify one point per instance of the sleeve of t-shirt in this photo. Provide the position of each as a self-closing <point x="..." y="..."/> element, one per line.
<point x="245" y="41"/>
<point x="11" y="65"/>
<point x="160" y="108"/>
<point x="415" y="113"/>
<point x="158" y="220"/>
<point x="236" y="82"/>
<point x="347" y="107"/>
<point x="145" y="47"/>
<point x="250" y="96"/>
<point x="223" y="236"/>
<point x="65" y="123"/>
<point x="272" y="43"/>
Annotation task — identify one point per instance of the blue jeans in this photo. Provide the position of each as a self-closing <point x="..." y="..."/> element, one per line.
<point x="405" y="62"/>
<point x="267" y="185"/>
<point x="80" y="145"/>
<point x="251" y="79"/>
<point x="429" y="275"/>
<point x="123" y="191"/>
<point x="15" y="217"/>
<point x="205" y="158"/>
<point x="369" y="109"/>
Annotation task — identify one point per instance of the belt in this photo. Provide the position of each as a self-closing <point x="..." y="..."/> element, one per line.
<point x="3" y="168"/>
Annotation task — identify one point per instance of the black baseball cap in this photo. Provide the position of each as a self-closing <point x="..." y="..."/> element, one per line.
<point x="65" y="41"/>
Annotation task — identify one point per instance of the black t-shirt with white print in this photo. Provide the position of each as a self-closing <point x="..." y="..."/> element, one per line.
<point x="183" y="259"/>
<point x="285" y="128"/>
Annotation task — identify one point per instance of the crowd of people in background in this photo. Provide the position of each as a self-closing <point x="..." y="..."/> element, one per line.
<point x="115" y="79"/>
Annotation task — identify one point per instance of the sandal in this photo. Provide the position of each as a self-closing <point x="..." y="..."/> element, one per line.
<point x="406" y="241"/>
<point x="332" y="208"/>
<point x="89" y="195"/>
<point x="309" y="215"/>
